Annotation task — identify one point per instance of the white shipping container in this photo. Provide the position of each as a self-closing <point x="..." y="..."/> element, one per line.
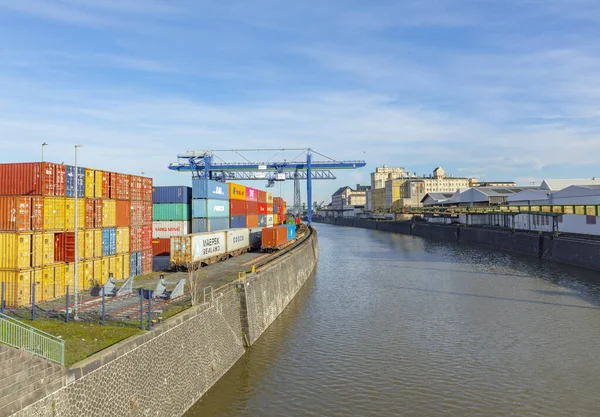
<point x="237" y="239"/>
<point x="166" y="229"/>
<point x="269" y="220"/>
<point x="197" y="247"/>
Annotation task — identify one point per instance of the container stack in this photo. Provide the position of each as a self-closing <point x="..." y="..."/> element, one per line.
<point x="210" y="204"/>
<point x="265" y="209"/>
<point x="37" y="228"/>
<point x="251" y="207"/>
<point x="279" y="210"/>
<point x="171" y="216"/>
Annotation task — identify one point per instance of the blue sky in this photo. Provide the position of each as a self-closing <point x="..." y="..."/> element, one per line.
<point x="503" y="90"/>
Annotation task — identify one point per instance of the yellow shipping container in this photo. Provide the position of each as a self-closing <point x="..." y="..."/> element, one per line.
<point x="237" y="191"/>
<point x="269" y="198"/>
<point x="59" y="280"/>
<point x="126" y="265"/>
<point x="89" y="183"/>
<point x="47" y="249"/>
<point x="47" y="287"/>
<point x="105" y="270"/>
<point x="97" y="244"/>
<point x="275" y="219"/>
<point x="97" y="275"/>
<point x="70" y="213"/>
<point x="88" y="274"/>
<point x="98" y="184"/>
<point x="109" y="213"/>
<point x="70" y="274"/>
<point x="54" y="213"/>
<point x="122" y="239"/>
<point x="37" y="250"/>
<point x="118" y="272"/>
<point x="15" y="250"/>
<point x="112" y="266"/>
<point x="17" y="287"/>
<point x="88" y="249"/>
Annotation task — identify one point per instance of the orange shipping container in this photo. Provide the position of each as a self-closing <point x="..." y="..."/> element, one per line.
<point x="123" y="214"/>
<point x="147" y="189"/>
<point x="161" y="247"/>
<point x="135" y="188"/>
<point x="273" y="237"/>
<point x="252" y="220"/>
<point x="33" y="178"/>
<point x="98" y="212"/>
<point x="269" y="208"/>
<point x="137" y="213"/>
<point x="106" y="184"/>
<point x="21" y="214"/>
<point x="262" y="196"/>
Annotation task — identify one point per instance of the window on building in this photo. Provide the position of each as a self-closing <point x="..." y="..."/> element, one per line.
<point x="590" y="219"/>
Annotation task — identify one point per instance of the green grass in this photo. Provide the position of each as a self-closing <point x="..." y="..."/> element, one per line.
<point x="84" y="339"/>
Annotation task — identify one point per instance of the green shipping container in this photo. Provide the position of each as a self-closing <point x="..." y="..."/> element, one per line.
<point x="171" y="212"/>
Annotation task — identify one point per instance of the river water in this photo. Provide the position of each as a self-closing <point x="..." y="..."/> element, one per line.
<point x="394" y="325"/>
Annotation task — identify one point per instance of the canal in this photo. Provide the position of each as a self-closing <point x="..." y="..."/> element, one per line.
<point x="399" y="325"/>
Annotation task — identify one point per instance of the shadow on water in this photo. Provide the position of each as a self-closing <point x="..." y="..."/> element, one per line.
<point x="493" y="297"/>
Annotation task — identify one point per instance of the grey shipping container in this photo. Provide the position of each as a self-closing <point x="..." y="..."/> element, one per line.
<point x="209" y="225"/>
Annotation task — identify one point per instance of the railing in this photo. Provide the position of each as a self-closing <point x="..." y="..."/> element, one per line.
<point x="25" y="337"/>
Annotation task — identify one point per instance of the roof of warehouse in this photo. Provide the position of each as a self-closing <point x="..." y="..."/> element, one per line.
<point x="437" y="196"/>
<point x="560" y="184"/>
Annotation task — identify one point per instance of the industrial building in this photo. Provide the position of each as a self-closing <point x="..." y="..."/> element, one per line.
<point x="346" y="196"/>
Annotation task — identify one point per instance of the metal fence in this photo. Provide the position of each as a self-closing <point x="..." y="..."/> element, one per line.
<point x="22" y="336"/>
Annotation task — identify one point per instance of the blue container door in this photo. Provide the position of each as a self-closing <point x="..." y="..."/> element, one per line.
<point x="70" y="181"/>
<point x="291" y="233"/>
<point x="238" y="222"/>
<point x="171" y="194"/>
<point x="113" y="240"/>
<point x="138" y="263"/>
<point x="105" y="242"/>
<point x="199" y="208"/>
<point x="132" y="264"/>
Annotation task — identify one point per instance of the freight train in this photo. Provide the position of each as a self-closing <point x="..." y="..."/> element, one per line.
<point x="211" y="247"/>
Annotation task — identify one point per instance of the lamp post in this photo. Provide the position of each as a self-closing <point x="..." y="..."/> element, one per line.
<point x="75" y="300"/>
<point x="43" y="144"/>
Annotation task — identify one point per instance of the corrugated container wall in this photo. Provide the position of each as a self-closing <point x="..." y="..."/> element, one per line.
<point x="210" y="189"/>
<point x="166" y="229"/>
<point x="21" y="214"/>
<point x="161" y="247"/>
<point x="237" y="207"/>
<point x="209" y="225"/>
<point x="171" y="194"/>
<point x="197" y="247"/>
<point x="71" y="180"/>
<point x="273" y="237"/>
<point x="209" y="209"/>
<point x="32" y="178"/>
<point x="237" y="222"/>
<point x="238" y="239"/>
<point x="237" y="191"/>
<point x="170" y="211"/>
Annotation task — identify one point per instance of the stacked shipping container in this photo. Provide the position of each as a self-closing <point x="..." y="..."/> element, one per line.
<point x="171" y="215"/>
<point x="210" y="205"/>
<point x="37" y="228"/>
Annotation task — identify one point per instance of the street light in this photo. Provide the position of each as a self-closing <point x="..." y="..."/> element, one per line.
<point x="43" y="144"/>
<point x="75" y="303"/>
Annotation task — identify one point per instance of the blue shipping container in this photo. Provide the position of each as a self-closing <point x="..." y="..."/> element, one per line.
<point x="70" y="181"/>
<point x="171" y="194"/>
<point x="275" y="209"/>
<point x="238" y="222"/>
<point x="291" y="233"/>
<point x="210" y="209"/>
<point x="109" y="241"/>
<point x="209" y="225"/>
<point x="262" y="220"/>
<point x="138" y="263"/>
<point x="132" y="264"/>
<point x="210" y="189"/>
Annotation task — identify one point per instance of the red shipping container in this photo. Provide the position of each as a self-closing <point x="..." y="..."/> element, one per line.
<point x="113" y="184"/>
<point x="146" y="237"/>
<point x="135" y="188"/>
<point x="97" y="212"/>
<point x="137" y="213"/>
<point x="269" y="208"/>
<point x="123" y="187"/>
<point x="123" y="208"/>
<point x="70" y="247"/>
<point x="262" y="209"/>
<point x="262" y="196"/>
<point x="21" y="214"/>
<point x="147" y="212"/>
<point x="161" y="247"/>
<point x="237" y="207"/>
<point x="105" y="184"/>
<point x="252" y="208"/>
<point x="273" y="237"/>
<point x="135" y="239"/>
<point x="33" y="178"/>
<point x="147" y="189"/>
<point x="252" y="220"/>
<point x="89" y="213"/>
<point x="147" y="261"/>
<point x="59" y="247"/>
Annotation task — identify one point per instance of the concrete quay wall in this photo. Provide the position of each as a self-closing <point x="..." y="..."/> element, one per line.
<point x="165" y="371"/>
<point x="581" y="251"/>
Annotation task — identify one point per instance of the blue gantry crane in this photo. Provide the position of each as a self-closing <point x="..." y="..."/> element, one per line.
<point x="203" y="164"/>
